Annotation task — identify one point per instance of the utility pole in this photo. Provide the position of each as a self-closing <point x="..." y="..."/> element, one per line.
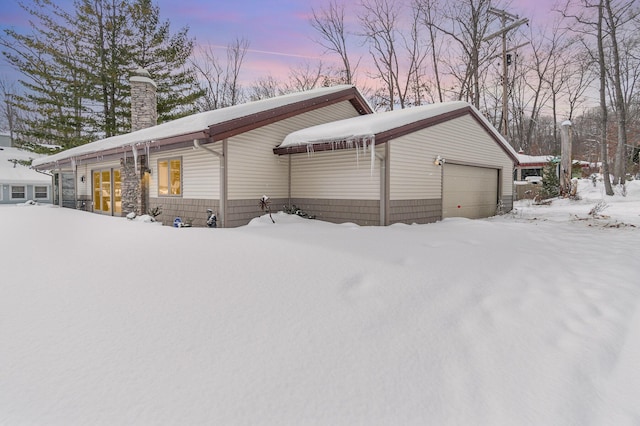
<point x="505" y="17"/>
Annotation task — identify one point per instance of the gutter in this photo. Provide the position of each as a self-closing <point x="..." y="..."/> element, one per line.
<point x="222" y="213"/>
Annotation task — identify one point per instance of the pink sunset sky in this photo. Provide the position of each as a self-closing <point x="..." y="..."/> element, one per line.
<point x="278" y="31"/>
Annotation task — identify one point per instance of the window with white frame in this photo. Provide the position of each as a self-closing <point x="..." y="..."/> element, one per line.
<point x="18" y="192"/>
<point x="41" y="192"/>
<point x="170" y="177"/>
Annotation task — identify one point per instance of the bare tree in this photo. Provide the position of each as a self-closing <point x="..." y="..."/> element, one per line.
<point x="400" y="74"/>
<point x="221" y="80"/>
<point x="465" y="24"/>
<point x="305" y="76"/>
<point x="264" y="88"/>
<point x="603" y="101"/>
<point x="427" y="11"/>
<point x="329" y="23"/>
<point x="616" y="18"/>
<point x="589" y="26"/>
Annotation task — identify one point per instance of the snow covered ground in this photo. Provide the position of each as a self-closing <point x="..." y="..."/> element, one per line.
<point x="532" y="318"/>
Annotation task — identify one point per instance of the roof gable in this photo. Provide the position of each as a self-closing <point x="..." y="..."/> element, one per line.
<point x="385" y="126"/>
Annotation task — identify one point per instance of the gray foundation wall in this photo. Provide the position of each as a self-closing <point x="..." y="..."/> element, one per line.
<point x="186" y="209"/>
<point x="415" y="211"/>
<point x="361" y="212"/>
<point x="508" y="203"/>
<point x="241" y="212"/>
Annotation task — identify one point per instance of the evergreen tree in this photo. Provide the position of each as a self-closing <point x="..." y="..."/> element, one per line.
<point x="550" y="181"/>
<point x="165" y="57"/>
<point x="53" y="103"/>
<point x="76" y="67"/>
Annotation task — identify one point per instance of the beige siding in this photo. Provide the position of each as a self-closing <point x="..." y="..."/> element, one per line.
<point x="253" y="170"/>
<point x="341" y="175"/>
<point x="83" y="189"/>
<point x="200" y="172"/>
<point x="413" y="174"/>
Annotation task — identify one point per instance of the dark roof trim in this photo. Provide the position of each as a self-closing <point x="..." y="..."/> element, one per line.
<point x="94" y="157"/>
<point x="231" y="128"/>
<point x="397" y="132"/>
<point x="244" y="124"/>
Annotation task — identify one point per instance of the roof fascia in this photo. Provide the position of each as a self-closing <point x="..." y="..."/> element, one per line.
<point x="397" y="132"/>
<point x="240" y="125"/>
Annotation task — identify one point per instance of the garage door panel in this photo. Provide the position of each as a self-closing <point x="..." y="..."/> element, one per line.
<point x="468" y="191"/>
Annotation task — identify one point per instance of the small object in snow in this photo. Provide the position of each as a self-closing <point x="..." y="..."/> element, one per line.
<point x="177" y="222"/>
<point x="131" y="216"/>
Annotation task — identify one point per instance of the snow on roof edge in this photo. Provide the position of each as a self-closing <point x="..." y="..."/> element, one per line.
<point x="189" y="124"/>
<point x="368" y="125"/>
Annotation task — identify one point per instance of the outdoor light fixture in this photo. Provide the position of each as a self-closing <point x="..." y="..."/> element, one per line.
<point x="82" y="179"/>
<point x="439" y="161"/>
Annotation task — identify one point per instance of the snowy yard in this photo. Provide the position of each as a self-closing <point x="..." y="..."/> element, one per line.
<point x="532" y="318"/>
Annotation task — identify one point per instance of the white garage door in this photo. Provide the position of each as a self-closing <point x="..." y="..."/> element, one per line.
<point x="470" y="192"/>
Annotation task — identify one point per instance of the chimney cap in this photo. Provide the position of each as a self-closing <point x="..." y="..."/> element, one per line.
<point x="141" y="75"/>
<point x="141" y="72"/>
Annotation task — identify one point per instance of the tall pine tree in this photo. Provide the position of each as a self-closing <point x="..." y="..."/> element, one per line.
<point x="75" y="68"/>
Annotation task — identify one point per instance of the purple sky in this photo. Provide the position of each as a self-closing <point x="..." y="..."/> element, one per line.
<point x="279" y="32"/>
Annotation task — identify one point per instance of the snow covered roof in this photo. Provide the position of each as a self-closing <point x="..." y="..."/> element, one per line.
<point x="383" y="127"/>
<point x="525" y="160"/>
<point x="17" y="174"/>
<point x="225" y="119"/>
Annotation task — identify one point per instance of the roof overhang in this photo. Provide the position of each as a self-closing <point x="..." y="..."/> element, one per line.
<point x="387" y="135"/>
<point x="219" y="131"/>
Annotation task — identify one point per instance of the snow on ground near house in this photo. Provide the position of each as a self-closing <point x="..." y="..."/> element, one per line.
<point x="531" y="318"/>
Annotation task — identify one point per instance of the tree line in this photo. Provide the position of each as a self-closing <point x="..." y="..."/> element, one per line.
<point x="582" y="65"/>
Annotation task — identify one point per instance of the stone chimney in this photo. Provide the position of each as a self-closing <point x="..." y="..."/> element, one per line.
<point x="144" y="113"/>
<point x="144" y="108"/>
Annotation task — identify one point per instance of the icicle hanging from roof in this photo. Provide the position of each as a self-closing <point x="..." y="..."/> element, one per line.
<point x="135" y="158"/>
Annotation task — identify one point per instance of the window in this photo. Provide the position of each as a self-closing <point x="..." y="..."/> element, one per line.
<point x="40" y="192"/>
<point x="170" y="177"/>
<point x="18" y="192"/>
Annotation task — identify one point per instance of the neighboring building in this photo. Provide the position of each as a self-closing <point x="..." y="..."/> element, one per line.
<point x="530" y="165"/>
<point x="5" y="139"/>
<point x="219" y="159"/>
<point x="19" y="183"/>
<point x="416" y="165"/>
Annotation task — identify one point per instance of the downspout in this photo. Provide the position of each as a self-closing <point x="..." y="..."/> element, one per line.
<point x="223" y="181"/>
<point x="384" y="188"/>
<point x="289" y="186"/>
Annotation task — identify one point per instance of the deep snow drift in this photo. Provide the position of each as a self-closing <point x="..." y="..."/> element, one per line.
<point x="531" y="318"/>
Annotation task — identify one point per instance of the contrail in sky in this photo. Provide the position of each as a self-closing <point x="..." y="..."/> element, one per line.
<point x="269" y="52"/>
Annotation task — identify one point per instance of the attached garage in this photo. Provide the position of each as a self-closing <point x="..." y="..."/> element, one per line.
<point x="416" y="165"/>
<point x="469" y="191"/>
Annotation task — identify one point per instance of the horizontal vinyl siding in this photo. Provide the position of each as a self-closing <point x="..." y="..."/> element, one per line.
<point x="254" y="170"/>
<point x="413" y="174"/>
<point x="200" y="172"/>
<point x="339" y="175"/>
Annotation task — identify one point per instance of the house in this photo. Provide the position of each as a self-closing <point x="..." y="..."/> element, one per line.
<point x="19" y="183"/>
<point x="416" y="165"/>
<point x="530" y="166"/>
<point x="221" y="159"/>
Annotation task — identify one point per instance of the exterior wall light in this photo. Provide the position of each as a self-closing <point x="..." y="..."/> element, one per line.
<point x="439" y="161"/>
